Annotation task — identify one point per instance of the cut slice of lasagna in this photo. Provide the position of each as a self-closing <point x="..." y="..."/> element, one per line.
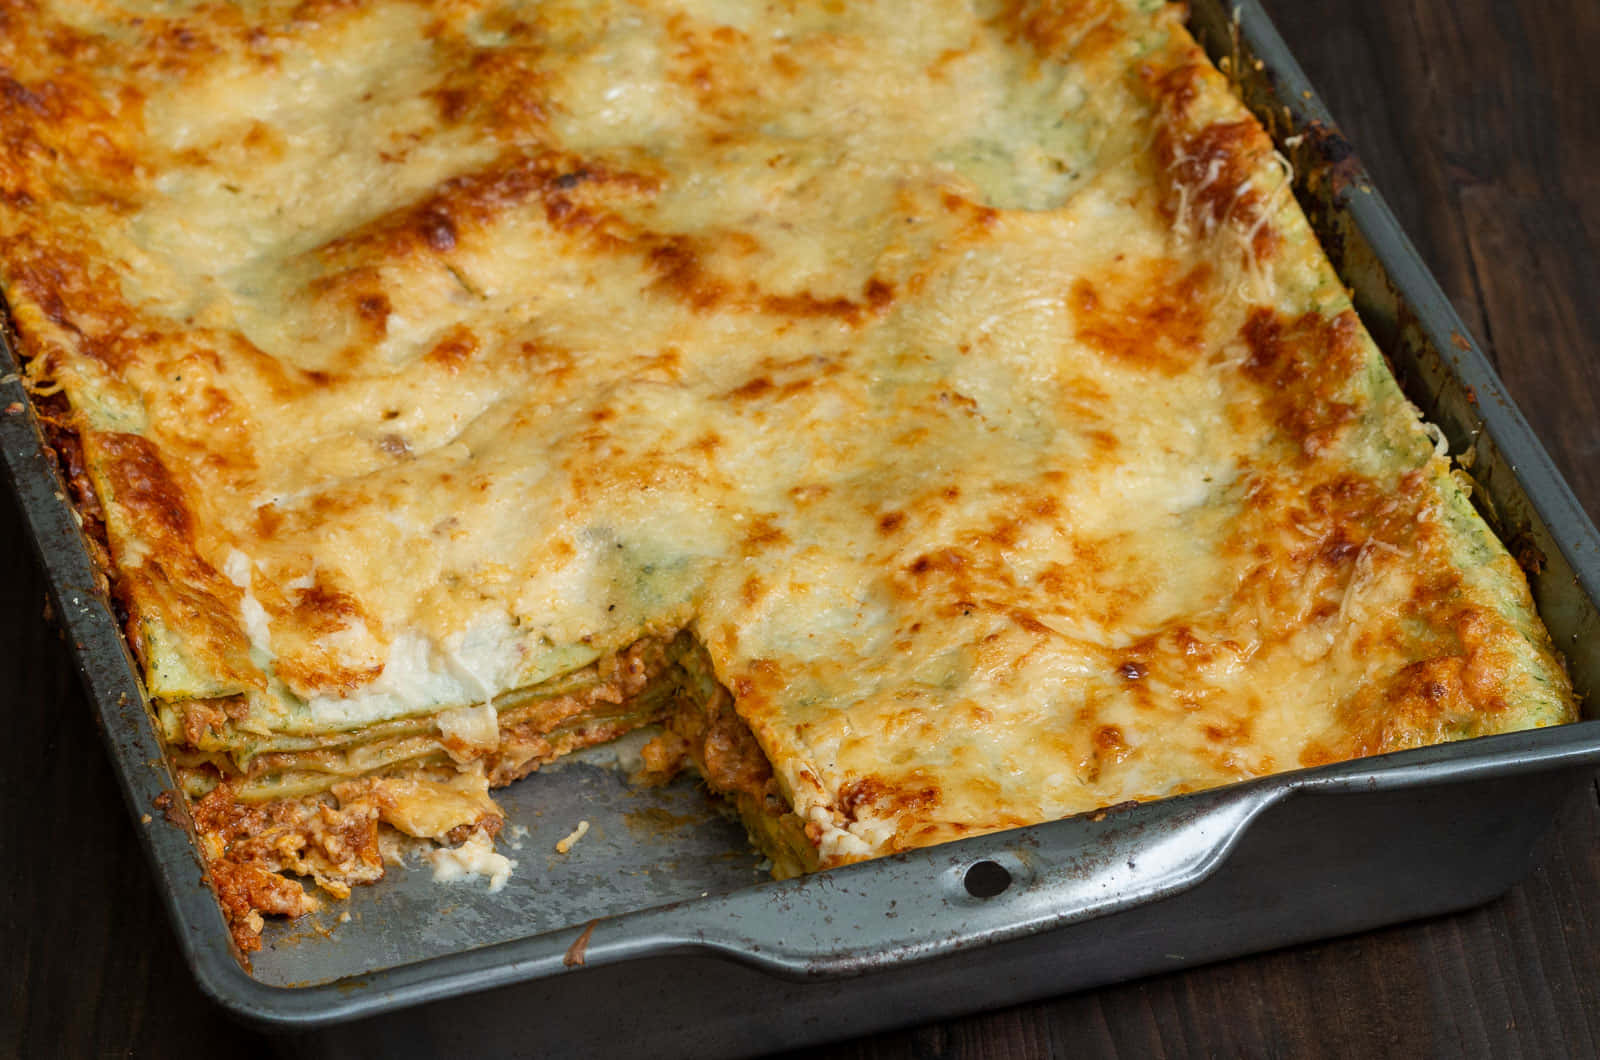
<point x="936" y="418"/>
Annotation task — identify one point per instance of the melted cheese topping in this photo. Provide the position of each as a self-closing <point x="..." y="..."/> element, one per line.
<point x="962" y="376"/>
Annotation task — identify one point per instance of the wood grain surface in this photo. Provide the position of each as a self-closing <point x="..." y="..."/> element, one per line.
<point x="1478" y="120"/>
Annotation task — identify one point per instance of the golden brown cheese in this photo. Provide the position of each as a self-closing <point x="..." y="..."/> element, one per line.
<point x="961" y="376"/>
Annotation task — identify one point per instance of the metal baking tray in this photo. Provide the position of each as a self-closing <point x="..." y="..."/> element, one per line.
<point x="662" y="912"/>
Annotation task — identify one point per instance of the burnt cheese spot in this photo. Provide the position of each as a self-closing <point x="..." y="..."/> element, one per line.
<point x="1209" y="169"/>
<point x="1146" y="317"/>
<point x="322" y="608"/>
<point x="882" y="797"/>
<point x="375" y="309"/>
<point x="1306" y="365"/>
<point x="1058" y="31"/>
<point x="946" y="561"/>
<point x="1029" y="621"/>
<point x="438" y="230"/>
<point x="763" y="532"/>
<point x="682" y="274"/>
<point x="454" y="350"/>
<point x="142" y="485"/>
<point x="1109" y="738"/>
<point x="755" y="388"/>
<point x="501" y="88"/>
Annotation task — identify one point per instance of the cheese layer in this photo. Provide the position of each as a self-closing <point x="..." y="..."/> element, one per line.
<point x="962" y="375"/>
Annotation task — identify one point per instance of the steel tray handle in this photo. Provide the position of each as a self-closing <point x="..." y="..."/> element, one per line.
<point x="991" y="888"/>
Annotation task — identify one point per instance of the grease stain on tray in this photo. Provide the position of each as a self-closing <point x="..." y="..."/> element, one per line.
<point x="658" y="822"/>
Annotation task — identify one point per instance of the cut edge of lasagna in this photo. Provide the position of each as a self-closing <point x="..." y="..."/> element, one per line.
<point x="929" y="440"/>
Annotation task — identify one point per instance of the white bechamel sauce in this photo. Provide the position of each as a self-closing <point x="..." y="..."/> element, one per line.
<point x="475" y="858"/>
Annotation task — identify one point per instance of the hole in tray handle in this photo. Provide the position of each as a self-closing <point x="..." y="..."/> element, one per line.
<point x="986" y="879"/>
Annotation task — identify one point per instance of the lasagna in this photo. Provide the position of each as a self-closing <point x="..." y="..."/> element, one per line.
<point x="932" y="418"/>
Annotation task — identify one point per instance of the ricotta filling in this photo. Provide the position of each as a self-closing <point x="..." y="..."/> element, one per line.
<point x="475" y="858"/>
<point x="421" y="674"/>
<point x="239" y="570"/>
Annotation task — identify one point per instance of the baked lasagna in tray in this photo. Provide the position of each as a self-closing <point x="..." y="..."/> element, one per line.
<point x="931" y="417"/>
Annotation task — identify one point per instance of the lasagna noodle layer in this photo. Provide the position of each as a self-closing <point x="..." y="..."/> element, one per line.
<point x="511" y="736"/>
<point x="963" y="378"/>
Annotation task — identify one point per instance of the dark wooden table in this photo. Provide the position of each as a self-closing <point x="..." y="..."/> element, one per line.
<point x="1480" y="121"/>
